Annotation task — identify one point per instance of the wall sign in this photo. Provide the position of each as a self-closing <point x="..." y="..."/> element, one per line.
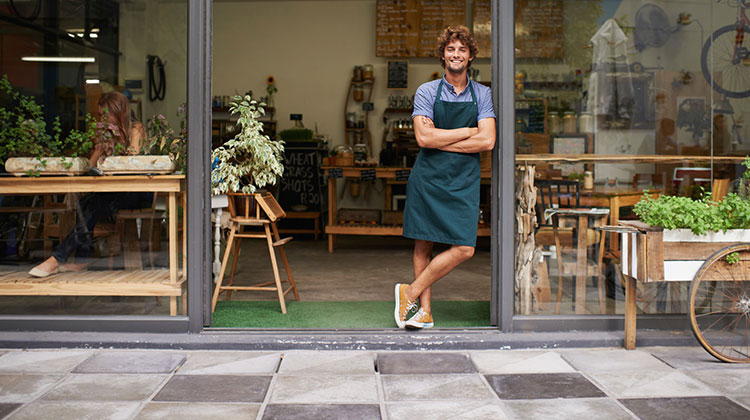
<point x="398" y="74"/>
<point x="300" y="184"/>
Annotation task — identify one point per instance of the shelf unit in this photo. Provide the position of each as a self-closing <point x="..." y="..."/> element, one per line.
<point x="351" y="134"/>
<point x="404" y="140"/>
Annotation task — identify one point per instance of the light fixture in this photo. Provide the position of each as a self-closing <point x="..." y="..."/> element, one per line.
<point x="723" y="106"/>
<point x="60" y="59"/>
<point x="92" y="81"/>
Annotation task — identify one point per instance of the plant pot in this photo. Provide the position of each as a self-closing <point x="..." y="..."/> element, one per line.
<point x="20" y="166"/>
<point x="148" y="164"/>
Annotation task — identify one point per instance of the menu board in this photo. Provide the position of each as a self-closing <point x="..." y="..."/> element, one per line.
<point x="409" y="28"/>
<point x="398" y="74"/>
<point x="483" y="27"/>
<point x="300" y="184"/>
<point x="539" y="29"/>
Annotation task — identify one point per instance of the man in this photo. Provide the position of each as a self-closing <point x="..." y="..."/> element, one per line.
<point x="453" y="121"/>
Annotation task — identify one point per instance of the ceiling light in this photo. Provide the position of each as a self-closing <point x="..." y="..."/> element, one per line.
<point x="60" y="59"/>
<point x="92" y="81"/>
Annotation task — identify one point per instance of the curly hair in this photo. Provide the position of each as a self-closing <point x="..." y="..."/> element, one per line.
<point x="452" y="33"/>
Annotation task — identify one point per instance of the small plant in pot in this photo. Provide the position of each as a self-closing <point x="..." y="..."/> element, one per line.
<point x="250" y="160"/>
<point x="162" y="151"/>
<point x="26" y="146"/>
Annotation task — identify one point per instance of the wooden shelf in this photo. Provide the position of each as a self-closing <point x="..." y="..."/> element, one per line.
<point x="92" y="283"/>
<point x="380" y="230"/>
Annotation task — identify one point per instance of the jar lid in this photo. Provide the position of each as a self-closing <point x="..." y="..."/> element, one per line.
<point x="359" y="144"/>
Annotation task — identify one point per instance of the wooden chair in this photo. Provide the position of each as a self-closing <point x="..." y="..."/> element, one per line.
<point x="719" y="189"/>
<point x="564" y="194"/>
<point x="265" y="214"/>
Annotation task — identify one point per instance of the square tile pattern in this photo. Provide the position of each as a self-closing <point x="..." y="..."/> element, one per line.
<point x="649" y="383"/>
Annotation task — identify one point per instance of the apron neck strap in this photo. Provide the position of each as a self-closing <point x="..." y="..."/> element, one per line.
<point x="471" y="89"/>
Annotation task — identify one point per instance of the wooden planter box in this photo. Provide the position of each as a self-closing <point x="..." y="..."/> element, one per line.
<point x="20" y="166"/>
<point x="671" y="255"/>
<point x="146" y="164"/>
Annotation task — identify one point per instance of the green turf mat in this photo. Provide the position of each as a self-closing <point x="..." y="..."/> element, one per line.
<point x="368" y="314"/>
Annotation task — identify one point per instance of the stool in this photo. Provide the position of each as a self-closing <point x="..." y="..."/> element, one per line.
<point x="267" y="212"/>
<point x="313" y="215"/>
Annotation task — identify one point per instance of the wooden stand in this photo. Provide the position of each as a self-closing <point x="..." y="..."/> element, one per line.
<point x="266" y="212"/>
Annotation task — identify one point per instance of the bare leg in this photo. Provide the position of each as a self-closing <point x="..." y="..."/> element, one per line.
<point x="441" y="265"/>
<point x="422" y="258"/>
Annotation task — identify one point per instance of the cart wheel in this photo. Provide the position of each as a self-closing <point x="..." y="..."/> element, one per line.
<point x="720" y="304"/>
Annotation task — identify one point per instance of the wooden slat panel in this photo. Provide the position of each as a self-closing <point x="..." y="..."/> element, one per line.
<point x="642" y="256"/>
<point x="92" y="283"/>
<point x="723" y="271"/>
<point x="682" y="251"/>
<point x="655" y="257"/>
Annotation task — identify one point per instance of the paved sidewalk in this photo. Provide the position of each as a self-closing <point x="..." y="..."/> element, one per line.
<point x="649" y="383"/>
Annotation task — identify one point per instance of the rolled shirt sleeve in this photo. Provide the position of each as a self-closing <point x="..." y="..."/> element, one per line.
<point x="484" y="102"/>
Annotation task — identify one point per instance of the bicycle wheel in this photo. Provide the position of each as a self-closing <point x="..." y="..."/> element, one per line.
<point x="720" y="304"/>
<point x="720" y="49"/>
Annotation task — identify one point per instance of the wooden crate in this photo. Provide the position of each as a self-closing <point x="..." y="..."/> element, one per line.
<point x="359" y="216"/>
<point x="393" y="218"/>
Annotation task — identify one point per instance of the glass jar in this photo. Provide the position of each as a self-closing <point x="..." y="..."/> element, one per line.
<point x="358" y="94"/>
<point x="361" y="121"/>
<point x="554" y="123"/>
<point x="360" y="152"/>
<point x="586" y="122"/>
<point x="368" y="72"/>
<point x="569" y="122"/>
<point x="357" y="74"/>
<point x="351" y="120"/>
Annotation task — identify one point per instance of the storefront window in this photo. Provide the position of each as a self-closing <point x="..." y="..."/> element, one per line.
<point x="640" y="98"/>
<point x="88" y="224"/>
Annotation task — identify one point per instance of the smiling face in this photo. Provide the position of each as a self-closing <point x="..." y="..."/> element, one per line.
<point x="456" y="57"/>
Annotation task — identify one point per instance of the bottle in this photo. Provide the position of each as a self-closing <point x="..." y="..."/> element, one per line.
<point x="368" y="72"/>
<point x="588" y="180"/>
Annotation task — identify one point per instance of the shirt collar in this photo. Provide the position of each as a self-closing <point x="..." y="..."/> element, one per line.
<point x="452" y="89"/>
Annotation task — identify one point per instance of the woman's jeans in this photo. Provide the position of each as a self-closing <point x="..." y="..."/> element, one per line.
<point x="93" y="208"/>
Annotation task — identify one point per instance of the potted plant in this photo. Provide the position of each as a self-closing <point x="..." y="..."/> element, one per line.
<point x="162" y="151"/>
<point x="28" y="149"/>
<point x="250" y="160"/>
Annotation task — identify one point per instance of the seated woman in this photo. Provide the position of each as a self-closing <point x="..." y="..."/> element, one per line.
<point x="94" y="207"/>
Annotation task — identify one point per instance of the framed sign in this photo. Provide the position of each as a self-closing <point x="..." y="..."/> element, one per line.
<point x="569" y="145"/>
<point x="398" y="74"/>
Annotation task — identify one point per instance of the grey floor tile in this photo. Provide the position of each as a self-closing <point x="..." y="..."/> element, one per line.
<point x="650" y="384"/>
<point x="567" y="409"/>
<point x="198" y="411"/>
<point x="131" y="362"/>
<point x="686" y="408"/>
<point x="607" y="360"/>
<point x="543" y="385"/>
<point x="321" y="412"/>
<point x="725" y="381"/>
<point x="229" y="363"/>
<point x="745" y="401"/>
<point x="691" y="358"/>
<point x="422" y="387"/>
<point x="520" y="361"/>
<point x="25" y="388"/>
<point x="354" y="389"/>
<point x="215" y="388"/>
<point x="447" y="410"/>
<point x="105" y="387"/>
<point x="327" y="363"/>
<point x="7" y="408"/>
<point x="424" y="362"/>
<point x="42" y="361"/>
<point x="76" y="411"/>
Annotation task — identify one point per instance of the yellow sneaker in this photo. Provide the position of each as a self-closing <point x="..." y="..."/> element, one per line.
<point x="403" y="305"/>
<point x="420" y="320"/>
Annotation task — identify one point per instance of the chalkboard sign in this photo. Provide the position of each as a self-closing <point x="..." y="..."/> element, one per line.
<point x="300" y="185"/>
<point x="367" y="175"/>
<point x="398" y="74"/>
<point x="402" y="174"/>
<point x="542" y="21"/>
<point x="335" y="173"/>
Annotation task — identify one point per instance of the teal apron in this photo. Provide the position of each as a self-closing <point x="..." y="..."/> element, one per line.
<point x="442" y="195"/>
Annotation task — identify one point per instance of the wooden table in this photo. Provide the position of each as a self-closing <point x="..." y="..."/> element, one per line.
<point x="334" y="228"/>
<point x="96" y="283"/>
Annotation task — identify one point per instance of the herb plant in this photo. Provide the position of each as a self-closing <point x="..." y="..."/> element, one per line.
<point x="162" y="140"/>
<point x="250" y="160"/>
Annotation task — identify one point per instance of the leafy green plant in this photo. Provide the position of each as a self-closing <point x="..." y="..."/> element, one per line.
<point x="23" y="130"/>
<point x="250" y="160"/>
<point x="161" y="139"/>
<point x="296" y="134"/>
<point x="700" y="216"/>
<point x="733" y="258"/>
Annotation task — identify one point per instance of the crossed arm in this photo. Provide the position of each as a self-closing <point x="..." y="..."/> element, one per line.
<point x="460" y="140"/>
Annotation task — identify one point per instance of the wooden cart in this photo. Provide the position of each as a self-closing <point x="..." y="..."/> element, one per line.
<point x="717" y="264"/>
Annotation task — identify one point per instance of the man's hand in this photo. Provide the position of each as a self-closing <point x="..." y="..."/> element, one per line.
<point x="432" y="138"/>
<point x="482" y="140"/>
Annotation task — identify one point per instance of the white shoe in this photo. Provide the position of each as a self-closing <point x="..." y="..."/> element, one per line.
<point x="420" y="320"/>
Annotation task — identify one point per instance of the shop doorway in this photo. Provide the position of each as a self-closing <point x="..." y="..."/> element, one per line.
<point x="303" y="64"/>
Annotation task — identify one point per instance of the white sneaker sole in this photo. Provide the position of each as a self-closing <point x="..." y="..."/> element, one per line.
<point x="399" y="322"/>
<point x="415" y="325"/>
